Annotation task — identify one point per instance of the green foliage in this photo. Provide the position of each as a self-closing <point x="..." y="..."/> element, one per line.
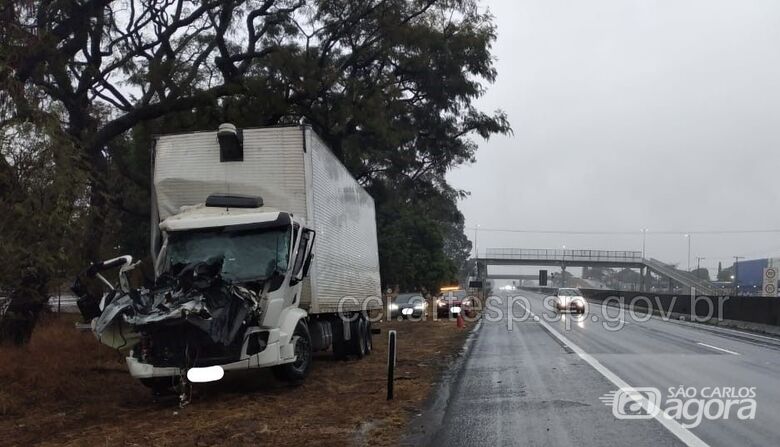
<point x="724" y="274"/>
<point x="411" y="244"/>
<point x="38" y="221"/>
<point x="701" y="273"/>
<point x="389" y="84"/>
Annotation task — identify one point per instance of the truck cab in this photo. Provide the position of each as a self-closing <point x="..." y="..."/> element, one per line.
<point x="231" y="274"/>
<point x="262" y="248"/>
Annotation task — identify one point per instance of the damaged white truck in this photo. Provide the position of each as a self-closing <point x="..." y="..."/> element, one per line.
<point x="265" y="251"/>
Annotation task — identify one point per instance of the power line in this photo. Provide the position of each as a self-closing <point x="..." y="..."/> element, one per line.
<point x="609" y="233"/>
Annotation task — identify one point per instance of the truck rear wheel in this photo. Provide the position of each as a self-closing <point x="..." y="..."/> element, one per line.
<point x="298" y="370"/>
<point x="358" y="341"/>
<point x="340" y="346"/>
<point x="369" y="344"/>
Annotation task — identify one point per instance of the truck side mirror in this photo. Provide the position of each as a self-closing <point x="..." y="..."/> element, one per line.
<point x="303" y="256"/>
<point x="307" y="264"/>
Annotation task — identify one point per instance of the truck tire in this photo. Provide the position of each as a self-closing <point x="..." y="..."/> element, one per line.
<point x="358" y="342"/>
<point x="340" y="348"/>
<point x="367" y="338"/>
<point x="296" y="371"/>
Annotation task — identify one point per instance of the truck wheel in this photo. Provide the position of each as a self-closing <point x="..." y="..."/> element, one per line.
<point x="296" y="371"/>
<point x="340" y="348"/>
<point x="367" y="337"/>
<point x="358" y="341"/>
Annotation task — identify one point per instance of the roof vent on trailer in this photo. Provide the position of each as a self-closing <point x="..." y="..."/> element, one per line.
<point x="234" y="201"/>
<point x="231" y="143"/>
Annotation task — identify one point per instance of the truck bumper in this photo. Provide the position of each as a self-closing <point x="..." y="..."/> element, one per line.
<point x="272" y="355"/>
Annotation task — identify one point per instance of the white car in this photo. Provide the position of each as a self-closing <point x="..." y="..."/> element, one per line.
<point x="569" y="299"/>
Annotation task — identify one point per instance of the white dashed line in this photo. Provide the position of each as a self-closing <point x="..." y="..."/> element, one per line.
<point x="719" y="349"/>
<point x="673" y="426"/>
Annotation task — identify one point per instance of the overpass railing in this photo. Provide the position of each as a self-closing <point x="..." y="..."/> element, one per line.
<point x="531" y="254"/>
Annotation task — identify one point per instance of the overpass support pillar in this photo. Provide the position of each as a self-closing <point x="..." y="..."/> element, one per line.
<point x="481" y="270"/>
<point x="563" y="275"/>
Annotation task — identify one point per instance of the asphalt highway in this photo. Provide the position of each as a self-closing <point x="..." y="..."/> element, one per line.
<point x="549" y="380"/>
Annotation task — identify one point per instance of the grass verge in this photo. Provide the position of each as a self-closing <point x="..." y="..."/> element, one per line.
<point x="65" y="388"/>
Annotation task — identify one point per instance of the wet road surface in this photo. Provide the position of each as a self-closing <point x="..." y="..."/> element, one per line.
<point x="539" y="382"/>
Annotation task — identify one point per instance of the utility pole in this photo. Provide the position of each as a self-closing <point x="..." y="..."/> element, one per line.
<point x="688" y="236"/>
<point x="644" y="241"/>
<point x="476" y="235"/>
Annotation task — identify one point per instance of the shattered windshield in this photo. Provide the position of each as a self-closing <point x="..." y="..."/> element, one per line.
<point x="246" y="255"/>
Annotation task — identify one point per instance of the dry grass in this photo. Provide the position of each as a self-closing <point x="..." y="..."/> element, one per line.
<point x="66" y="388"/>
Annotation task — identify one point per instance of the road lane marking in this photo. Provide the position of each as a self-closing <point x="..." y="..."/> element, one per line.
<point x="673" y="426"/>
<point x="719" y="349"/>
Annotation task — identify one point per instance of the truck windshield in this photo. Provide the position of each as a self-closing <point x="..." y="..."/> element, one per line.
<point x="246" y="255"/>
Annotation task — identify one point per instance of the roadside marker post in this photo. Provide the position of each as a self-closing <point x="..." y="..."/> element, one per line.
<point x="391" y="348"/>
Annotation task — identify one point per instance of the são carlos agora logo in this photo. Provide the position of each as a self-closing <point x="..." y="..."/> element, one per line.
<point x="687" y="405"/>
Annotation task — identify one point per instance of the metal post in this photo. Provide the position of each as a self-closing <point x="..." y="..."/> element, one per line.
<point x="391" y="348"/>
<point x="563" y="267"/>
<point x="644" y="241"/>
<point x="688" y="236"/>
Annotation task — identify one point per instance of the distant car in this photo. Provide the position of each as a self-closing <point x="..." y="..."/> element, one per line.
<point x="454" y="302"/>
<point x="408" y="305"/>
<point x="569" y="299"/>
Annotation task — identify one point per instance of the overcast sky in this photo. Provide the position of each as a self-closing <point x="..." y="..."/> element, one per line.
<point x="632" y="114"/>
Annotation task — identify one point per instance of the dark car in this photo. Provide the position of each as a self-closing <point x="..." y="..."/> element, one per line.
<point x="407" y="305"/>
<point x="453" y="302"/>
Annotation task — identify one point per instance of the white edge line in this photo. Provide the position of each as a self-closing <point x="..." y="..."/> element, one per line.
<point x="673" y="426"/>
<point x="719" y="349"/>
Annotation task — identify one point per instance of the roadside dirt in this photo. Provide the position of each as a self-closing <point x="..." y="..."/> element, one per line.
<point x="66" y="388"/>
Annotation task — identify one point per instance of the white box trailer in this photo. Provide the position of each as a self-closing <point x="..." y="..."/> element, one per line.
<point x="265" y="250"/>
<point x="292" y="169"/>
